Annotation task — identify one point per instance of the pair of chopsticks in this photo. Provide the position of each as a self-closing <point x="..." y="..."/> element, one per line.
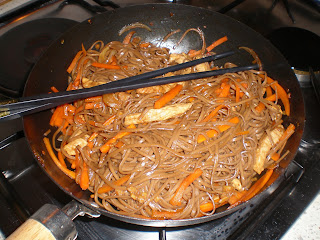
<point x="27" y="105"/>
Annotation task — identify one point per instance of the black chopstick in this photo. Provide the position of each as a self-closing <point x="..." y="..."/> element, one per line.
<point x="27" y="105"/>
<point x="45" y="101"/>
<point x="118" y="87"/>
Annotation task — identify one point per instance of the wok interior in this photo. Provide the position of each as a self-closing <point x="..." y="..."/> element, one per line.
<point x="162" y="18"/>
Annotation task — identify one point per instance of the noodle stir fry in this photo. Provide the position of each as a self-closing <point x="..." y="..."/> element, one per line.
<point x="173" y="151"/>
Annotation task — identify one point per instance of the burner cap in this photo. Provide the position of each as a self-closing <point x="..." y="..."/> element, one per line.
<point x="22" y="46"/>
<point x="299" y="46"/>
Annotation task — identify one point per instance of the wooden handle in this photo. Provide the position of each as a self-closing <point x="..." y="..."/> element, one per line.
<point x="48" y="223"/>
<point x="32" y="230"/>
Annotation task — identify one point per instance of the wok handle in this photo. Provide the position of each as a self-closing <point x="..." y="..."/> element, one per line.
<point x="48" y="223"/>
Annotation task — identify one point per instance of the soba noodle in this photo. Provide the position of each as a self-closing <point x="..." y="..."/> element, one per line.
<point x="143" y="169"/>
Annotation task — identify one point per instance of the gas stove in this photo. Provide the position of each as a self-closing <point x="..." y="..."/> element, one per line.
<point x="28" y="28"/>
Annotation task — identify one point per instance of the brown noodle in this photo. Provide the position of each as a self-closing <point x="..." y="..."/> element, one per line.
<point x="159" y="155"/>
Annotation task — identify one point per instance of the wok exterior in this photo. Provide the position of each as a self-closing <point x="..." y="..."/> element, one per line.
<point x="162" y="18"/>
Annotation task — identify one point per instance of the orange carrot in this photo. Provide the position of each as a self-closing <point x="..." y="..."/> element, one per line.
<point x="144" y="45"/>
<point x="54" y="89"/>
<point x="281" y="93"/>
<point x="213" y="113"/>
<point x="207" y="207"/>
<point x="68" y="172"/>
<point x="106" y="123"/>
<point x="84" y="177"/>
<point x="269" y="91"/>
<point x="162" y="215"/>
<point x="56" y="118"/>
<point x="94" y="99"/>
<point x="106" y="147"/>
<point x="275" y="157"/>
<point x="260" y="107"/>
<point x="119" y="144"/>
<point x="71" y="108"/>
<point x="217" y="43"/>
<point x="242" y="133"/>
<point x="79" y="109"/>
<point x="225" y="90"/>
<point x="106" y="188"/>
<point x="212" y="133"/>
<point x="74" y="62"/>
<point x="61" y="160"/>
<point x="127" y="38"/>
<point x="288" y="132"/>
<point x="177" y="197"/>
<point x="168" y="96"/>
<point x="236" y="196"/>
<point x="237" y="93"/>
<point x="90" y="144"/>
<point x="255" y="188"/>
<point x="92" y="105"/>
<point x="193" y="53"/>
<point x="105" y="65"/>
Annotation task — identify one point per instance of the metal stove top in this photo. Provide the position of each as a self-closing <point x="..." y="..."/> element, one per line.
<point x="25" y="188"/>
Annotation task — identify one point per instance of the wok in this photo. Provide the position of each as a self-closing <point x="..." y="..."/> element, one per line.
<point x="162" y="18"/>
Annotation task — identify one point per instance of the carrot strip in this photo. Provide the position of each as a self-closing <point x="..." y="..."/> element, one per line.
<point x="168" y="96"/>
<point x="56" y="118"/>
<point x="84" y="177"/>
<point x="236" y="196"/>
<point x="225" y="87"/>
<point x="144" y="45"/>
<point x="288" y="132"/>
<point x="90" y="144"/>
<point x="127" y="38"/>
<point x="217" y="43"/>
<point x="105" y="65"/>
<point x="213" y="113"/>
<point x="207" y="207"/>
<point x="106" y="123"/>
<point x="106" y="188"/>
<point x="93" y="99"/>
<point x="92" y="105"/>
<point x="193" y="53"/>
<point x="119" y="144"/>
<point x="177" y="197"/>
<point x="71" y="108"/>
<point x="260" y="107"/>
<point x="68" y="172"/>
<point x="79" y="109"/>
<point x="61" y="159"/>
<point x="275" y="157"/>
<point x="255" y="188"/>
<point x="212" y="133"/>
<point x="237" y="93"/>
<point x="281" y="93"/>
<point x="269" y="91"/>
<point x="242" y="133"/>
<point x="54" y="89"/>
<point x="162" y="215"/>
<point x="106" y="147"/>
<point x="74" y="62"/>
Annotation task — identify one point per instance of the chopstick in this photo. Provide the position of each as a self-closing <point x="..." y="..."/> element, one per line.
<point x="38" y="103"/>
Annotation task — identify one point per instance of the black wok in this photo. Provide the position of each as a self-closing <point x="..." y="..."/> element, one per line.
<point x="162" y="18"/>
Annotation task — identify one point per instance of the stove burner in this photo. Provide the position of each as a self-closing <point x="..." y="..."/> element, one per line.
<point x="30" y="40"/>
<point x="299" y="46"/>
